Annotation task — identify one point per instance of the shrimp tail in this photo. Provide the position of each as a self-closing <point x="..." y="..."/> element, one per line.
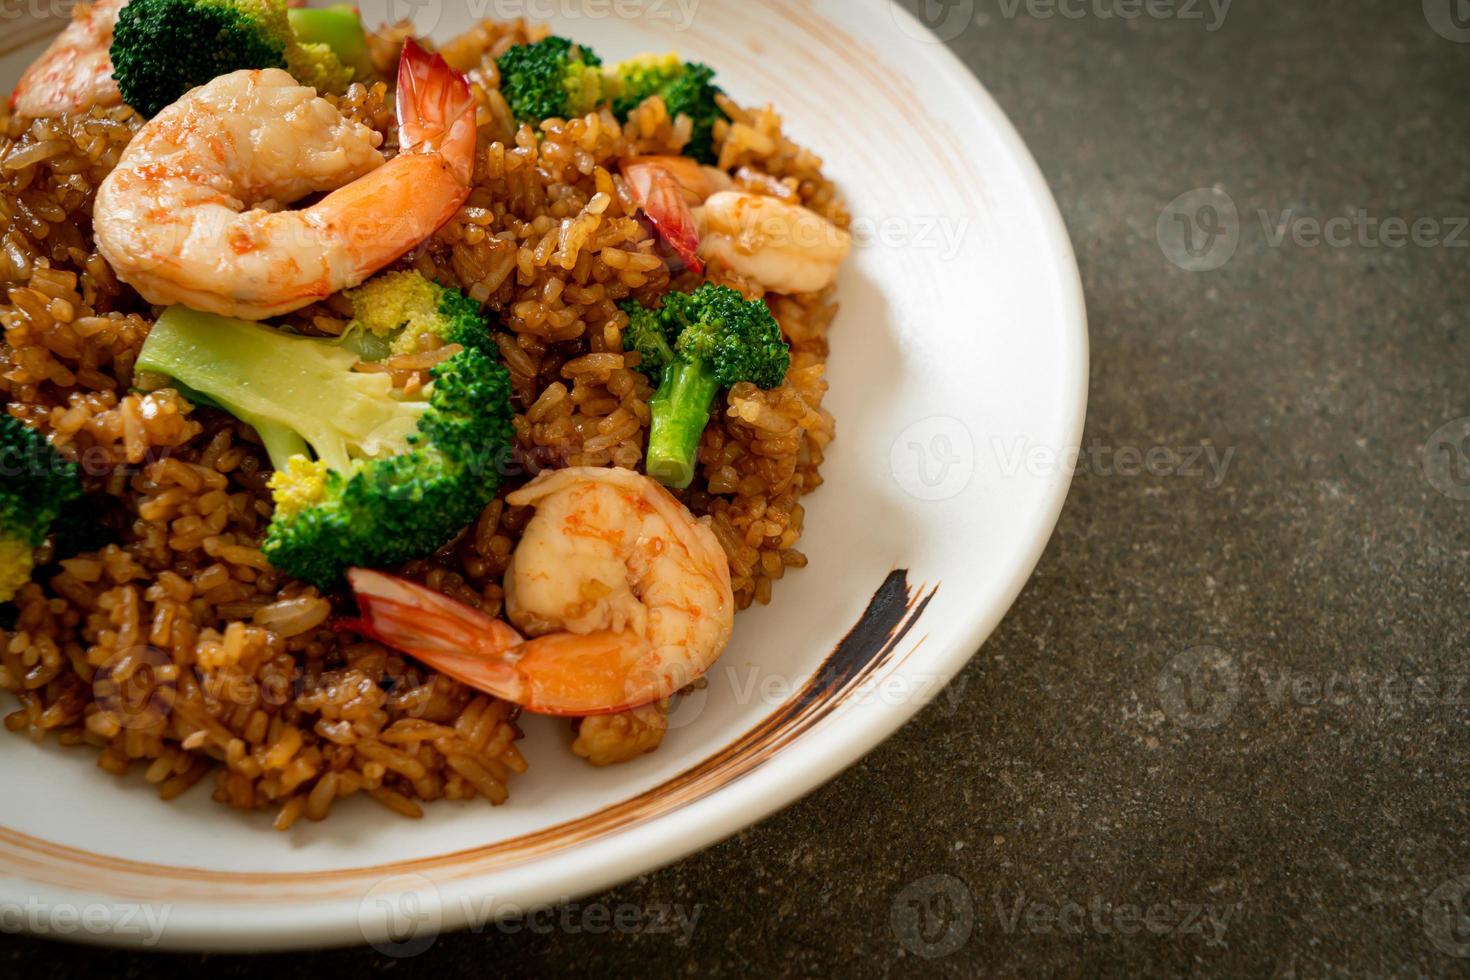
<point x="448" y="636"/>
<point x="660" y="196"/>
<point x="436" y="110"/>
<point x="562" y="674"/>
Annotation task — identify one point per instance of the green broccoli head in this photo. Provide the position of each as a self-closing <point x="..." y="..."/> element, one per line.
<point x="738" y="338"/>
<point x="364" y="474"/>
<point x="553" y="78"/>
<point x="163" y="48"/>
<point x="646" y="334"/>
<point x="37" y="484"/>
<point x="389" y="509"/>
<point x="638" y="79"/>
<point x="687" y="88"/>
<point x="694" y="345"/>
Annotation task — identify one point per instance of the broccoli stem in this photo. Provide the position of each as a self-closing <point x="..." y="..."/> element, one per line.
<point x="296" y="392"/>
<point x="339" y="27"/>
<point x="681" y="410"/>
<point x="281" y="442"/>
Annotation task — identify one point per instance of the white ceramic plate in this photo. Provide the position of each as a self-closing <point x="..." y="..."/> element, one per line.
<point x="959" y="379"/>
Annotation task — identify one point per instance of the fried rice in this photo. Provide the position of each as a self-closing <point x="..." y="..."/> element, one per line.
<point x="169" y="646"/>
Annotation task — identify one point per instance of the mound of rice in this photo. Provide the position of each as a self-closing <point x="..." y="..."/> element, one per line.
<point x="174" y="649"/>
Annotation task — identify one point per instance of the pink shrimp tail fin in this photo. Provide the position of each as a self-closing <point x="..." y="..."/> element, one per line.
<point x="448" y="636"/>
<point x="436" y="110"/>
<point x="659" y="194"/>
<point x="561" y="674"/>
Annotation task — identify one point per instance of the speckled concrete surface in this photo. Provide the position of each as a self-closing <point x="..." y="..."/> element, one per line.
<point x="1224" y="730"/>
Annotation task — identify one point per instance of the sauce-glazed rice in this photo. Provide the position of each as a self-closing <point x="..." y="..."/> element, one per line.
<point x="177" y="650"/>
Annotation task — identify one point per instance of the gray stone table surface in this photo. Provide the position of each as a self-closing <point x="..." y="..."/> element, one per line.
<point x="1224" y="729"/>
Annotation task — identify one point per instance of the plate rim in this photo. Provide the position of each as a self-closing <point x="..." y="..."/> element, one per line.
<point x="781" y="780"/>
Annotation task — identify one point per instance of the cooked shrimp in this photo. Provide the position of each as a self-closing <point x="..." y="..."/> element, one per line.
<point x="666" y="198"/>
<point x="784" y="247"/>
<point x="75" y="73"/>
<point x="193" y="212"/>
<point x="695" y="181"/>
<point x="627" y="595"/>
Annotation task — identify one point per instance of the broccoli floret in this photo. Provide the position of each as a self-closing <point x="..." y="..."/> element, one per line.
<point x="553" y="78"/>
<point x="556" y="78"/>
<point x="163" y="48"/>
<point x="339" y="29"/>
<point x="695" y="345"/>
<point x="37" y="484"/>
<point x="639" y="78"/>
<point x="687" y="89"/>
<point x="364" y="474"/>
<point x="408" y="313"/>
<point x="646" y="335"/>
<point x="316" y="66"/>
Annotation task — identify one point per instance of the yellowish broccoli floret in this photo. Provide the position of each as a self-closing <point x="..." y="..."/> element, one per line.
<point x="394" y="302"/>
<point x="15" y="567"/>
<point x="300" y="486"/>
<point x="40" y="483"/>
<point x="586" y="88"/>
<point x="318" y="66"/>
<point x="631" y="81"/>
<point x="413" y="314"/>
